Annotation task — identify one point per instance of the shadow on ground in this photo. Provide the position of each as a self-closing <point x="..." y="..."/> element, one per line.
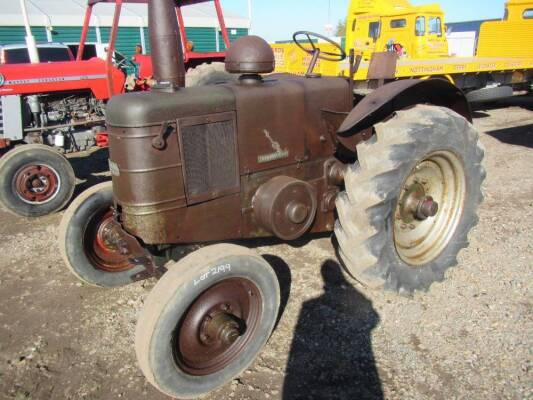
<point x="283" y="273"/>
<point x="518" y="135"/>
<point x="89" y="168"/>
<point x="331" y="354"/>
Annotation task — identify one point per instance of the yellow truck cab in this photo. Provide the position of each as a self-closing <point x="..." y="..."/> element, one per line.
<point x="510" y="37"/>
<point x="412" y="32"/>
<point x="501" y="59"/>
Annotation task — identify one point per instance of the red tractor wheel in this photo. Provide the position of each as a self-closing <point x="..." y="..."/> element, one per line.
<point x="35" y="180"/>
<point x="208" y="74"/>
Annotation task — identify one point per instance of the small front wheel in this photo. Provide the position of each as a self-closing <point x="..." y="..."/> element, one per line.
<point x="35" y="180"/>
<point x="83" y="244"/>
<point x="206" y="320"/>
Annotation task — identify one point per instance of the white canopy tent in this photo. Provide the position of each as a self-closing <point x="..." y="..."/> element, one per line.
<point x="70" y="13"/>
<point x="52" y="13"/>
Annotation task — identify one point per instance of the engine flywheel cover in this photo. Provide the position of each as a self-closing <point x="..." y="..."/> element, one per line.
<point x="285" y="207"/>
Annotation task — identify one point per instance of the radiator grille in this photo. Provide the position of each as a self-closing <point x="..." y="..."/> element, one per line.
<point x="209" y="158"/>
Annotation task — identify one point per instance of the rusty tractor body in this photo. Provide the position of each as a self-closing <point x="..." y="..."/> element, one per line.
<point x="224" y="162"/>
<point x="396" y="176"/>
<point x="219" y="158"/>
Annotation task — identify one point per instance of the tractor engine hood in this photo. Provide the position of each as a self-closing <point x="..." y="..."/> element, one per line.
<point x="134" y="110"/>
<point x="146" y="158"/>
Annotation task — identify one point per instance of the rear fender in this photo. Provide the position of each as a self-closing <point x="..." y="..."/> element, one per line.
<point x="383" y="102"/>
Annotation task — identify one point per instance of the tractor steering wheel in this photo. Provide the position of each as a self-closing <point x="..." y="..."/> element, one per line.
<point x="324" y="55"/>
<point x="121" y="61"/>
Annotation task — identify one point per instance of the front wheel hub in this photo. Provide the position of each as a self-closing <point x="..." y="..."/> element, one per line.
<point x="104" y="246"/>
<point x="218" y="327"/>
<point x="223" y="327"/>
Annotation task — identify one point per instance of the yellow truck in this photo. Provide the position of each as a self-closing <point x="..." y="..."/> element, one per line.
<point x="396" y="40"/>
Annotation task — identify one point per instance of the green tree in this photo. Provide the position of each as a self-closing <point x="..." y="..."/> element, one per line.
<point x="341" y="28"/>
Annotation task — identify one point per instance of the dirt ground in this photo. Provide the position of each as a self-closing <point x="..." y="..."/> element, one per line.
<point x="470" y="337"/>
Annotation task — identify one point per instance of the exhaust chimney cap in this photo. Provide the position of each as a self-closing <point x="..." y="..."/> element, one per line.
<point x="250" y="55"/>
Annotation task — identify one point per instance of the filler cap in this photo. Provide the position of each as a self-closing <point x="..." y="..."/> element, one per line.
<point x="250" y="55"/>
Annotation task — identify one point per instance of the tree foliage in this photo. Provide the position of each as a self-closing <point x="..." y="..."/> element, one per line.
<point x="341" y="28"/>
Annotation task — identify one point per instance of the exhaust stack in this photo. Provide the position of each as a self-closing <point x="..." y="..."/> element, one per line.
<point x="165" y="42"/>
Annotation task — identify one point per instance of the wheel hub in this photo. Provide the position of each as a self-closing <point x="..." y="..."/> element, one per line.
<point x="37" y="183"/>
<point x="416" y="204"/>
<point x="222" y="327"/>
<point x="429" y="208"/>
<point x="104" y="246"/>
<point x="217" y="327"/>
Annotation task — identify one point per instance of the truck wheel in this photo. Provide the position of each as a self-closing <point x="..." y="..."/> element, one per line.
<point x="208" y="74"/>
<point x="84" y="251"/>
<point x="486" y="95"/>
<point x="206" y="320"/>
<point x="411" y="200"/>
<point x="35" y="180"/>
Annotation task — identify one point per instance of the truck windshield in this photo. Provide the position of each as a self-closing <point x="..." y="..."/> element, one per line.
<point x="374" y="29"/>
<point x="434" y="26"/>
<point x="420" y="26"/>
<point x="46" y="54"/>
<point x="398" y="23"/>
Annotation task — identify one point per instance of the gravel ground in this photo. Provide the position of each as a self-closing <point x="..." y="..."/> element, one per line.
<point x="470" y="337"/>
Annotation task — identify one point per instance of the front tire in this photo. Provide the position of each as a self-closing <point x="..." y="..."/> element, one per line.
<point x="206" y="320"/>
<point x="35" y="180"/>
<point x="82" y="247"/>
<point x="411" y="199"/>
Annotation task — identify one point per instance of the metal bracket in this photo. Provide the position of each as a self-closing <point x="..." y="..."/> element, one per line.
<point x="160" y="141"/>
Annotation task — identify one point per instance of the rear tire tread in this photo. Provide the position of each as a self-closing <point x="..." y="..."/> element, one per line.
<point x="365" y="206"/>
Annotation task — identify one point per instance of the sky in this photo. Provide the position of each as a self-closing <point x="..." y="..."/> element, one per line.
<point x="279" y="19"/>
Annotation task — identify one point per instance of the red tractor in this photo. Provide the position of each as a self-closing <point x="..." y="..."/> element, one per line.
<point x="59" y="107"/>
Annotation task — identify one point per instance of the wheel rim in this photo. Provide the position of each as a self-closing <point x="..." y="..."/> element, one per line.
<point x="217" y="327"/>
<point x="102" y="254"/>
<point x="37" y="184"/>
<point x="429" y="208"/>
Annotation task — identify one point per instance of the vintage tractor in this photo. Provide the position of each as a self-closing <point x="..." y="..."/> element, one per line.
<point x="59" y="107"/>
<point x="397" y="177"/>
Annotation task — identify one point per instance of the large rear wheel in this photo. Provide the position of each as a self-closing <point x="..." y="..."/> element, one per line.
<point x="206" y="320"/>
<point x="35" y="180"/>
<point x="208" y="74"/>
<point x="411" y="200"/>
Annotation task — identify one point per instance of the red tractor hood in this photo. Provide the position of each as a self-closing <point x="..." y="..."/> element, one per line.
<point x="60" y="77"/>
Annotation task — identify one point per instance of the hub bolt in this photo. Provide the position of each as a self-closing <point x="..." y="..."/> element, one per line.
<point x="230" y="333"/>
<point x="427" y="208"/>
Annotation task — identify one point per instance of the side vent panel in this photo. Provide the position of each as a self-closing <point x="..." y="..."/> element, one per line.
<point x="11" y="117"/>
<point x="209" y="153"/>
<point x="1" y="119"/>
